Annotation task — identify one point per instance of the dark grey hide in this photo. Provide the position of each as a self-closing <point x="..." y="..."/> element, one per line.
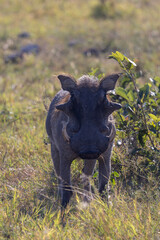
<point x="79" y="126"/>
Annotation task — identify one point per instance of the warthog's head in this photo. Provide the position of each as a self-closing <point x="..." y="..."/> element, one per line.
<point x="88" y="109"/>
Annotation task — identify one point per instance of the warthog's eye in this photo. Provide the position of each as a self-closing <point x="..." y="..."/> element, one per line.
<point x="75" y="95"/>
<point x="101" y="97"/>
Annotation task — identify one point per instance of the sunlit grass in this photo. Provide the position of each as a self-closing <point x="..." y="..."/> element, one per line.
<point x="125" y="218"/>
<point x="29" y="206"/>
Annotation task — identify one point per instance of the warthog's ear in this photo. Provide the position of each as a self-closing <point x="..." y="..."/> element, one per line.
<point x="67" y="83"/>
<point x="110" y="107"/>
<point x="109" y="82"/>
<point x="114" y="106"/>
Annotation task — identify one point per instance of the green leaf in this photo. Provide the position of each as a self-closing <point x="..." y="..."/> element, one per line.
<point x="131" y="96"/>
<point x="116" y="174"/>
<point x="93" y="71"/>
<point x="144" y="91"/>
<point x="157" y="79"/>
<point x="156" y="119"/>
<point x="117" y="56"/>
<point x="95" y="175"/>
<point x="121" y="118"/>
<point x="124" y="81"/>
<point x="122" y="92"/>
<point x="141" y="134"/>
<point x="101" y="75"/>
<point x="120" y="55"/>
<point x="113" y="182"/>
<point x="123" y="61"/>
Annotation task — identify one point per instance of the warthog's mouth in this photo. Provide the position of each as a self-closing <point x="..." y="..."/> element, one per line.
<point x="89" y="154"/>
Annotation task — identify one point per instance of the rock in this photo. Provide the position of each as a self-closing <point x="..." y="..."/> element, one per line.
<point x="30" y="48"/>
<point x="24" y="35"/>
<point x="91" y="52"/>
<point x="18" y="56"/>
<point x="73" y="42"/>
<point x="13" y="58"/>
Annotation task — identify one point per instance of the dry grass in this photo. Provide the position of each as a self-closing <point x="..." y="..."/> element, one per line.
<point x="29" y="208"/>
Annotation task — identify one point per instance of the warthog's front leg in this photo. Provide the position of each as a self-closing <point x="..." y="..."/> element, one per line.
<point x="55" y="158"/>
<point x="56" y="162"/>
<point x="87" y="172"/>
<point x="105" y="169"/>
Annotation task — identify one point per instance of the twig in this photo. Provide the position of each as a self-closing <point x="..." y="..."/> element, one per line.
<point x="14" y="120"/>
<point x="4" y="156"/>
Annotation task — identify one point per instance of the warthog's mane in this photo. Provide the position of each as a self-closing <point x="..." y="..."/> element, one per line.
<point x="88" y="81"/>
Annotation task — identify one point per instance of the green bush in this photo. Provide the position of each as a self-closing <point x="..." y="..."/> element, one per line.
<point x="136" y="156"/>
<point x="138" y="122"/>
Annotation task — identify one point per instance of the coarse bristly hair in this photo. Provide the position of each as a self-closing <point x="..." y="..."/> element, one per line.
<point x="88" y="81"/>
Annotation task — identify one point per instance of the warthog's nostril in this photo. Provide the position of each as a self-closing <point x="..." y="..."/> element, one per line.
<point x="89" y="154"/>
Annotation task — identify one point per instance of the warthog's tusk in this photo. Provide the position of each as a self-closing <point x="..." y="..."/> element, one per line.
<point x="112" y="133"/>
<point x="64" y="131"/>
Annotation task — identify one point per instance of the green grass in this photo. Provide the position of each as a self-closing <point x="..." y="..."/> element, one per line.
<point x="125" y="218"/>
<point x="29" y="207"/>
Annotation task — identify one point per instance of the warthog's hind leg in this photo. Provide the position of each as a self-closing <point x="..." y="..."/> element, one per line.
<point x="66" y="189"/>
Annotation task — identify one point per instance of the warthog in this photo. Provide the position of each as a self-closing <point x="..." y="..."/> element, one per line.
<point x="79" y="125"/>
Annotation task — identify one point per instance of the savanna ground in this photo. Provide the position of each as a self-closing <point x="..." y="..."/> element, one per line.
<point x="64" y="30"/>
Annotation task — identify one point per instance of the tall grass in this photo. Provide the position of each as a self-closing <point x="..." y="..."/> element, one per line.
<point x="124" y="218"/>
<point x="29" y="206"/>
